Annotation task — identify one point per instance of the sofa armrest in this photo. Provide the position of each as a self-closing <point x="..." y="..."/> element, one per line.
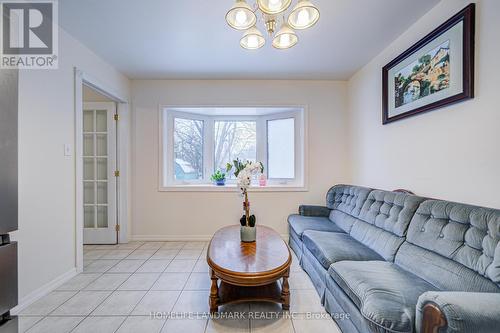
<point x="458" y="312"/>
<point x="309" y="210"/>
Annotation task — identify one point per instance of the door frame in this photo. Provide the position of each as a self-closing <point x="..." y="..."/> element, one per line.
<point x="122" y="159"/>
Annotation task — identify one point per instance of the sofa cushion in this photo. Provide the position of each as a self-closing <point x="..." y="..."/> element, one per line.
<point x="440" y="271"/>
<point x="330" y="247"/>
<point x="383" y="221"/>
<point x="385" y="294"/>
<point x="347" y="198"/>
<point x="346" y="202"/>
<point x="463" y="235"/>
<point x="299" y="224"/>
<point x="295" y="244"/>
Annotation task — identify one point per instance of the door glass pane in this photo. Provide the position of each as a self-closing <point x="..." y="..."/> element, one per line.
<point x="102" y="169"/>
<point x="234" y="139"/>
<point x="88" y="193"/>
<point x="102" y="192"/>
<point x="281" y="148"/>
<point x="188" y="149"/>
<point x="88" y="216"/>
<point x="88" y="145"/>
<point x="101" y="121"/>
<point x="88" y="121"/>
<point x="88" y="168"/>
<point x="102" y="144"/>
<point x="102" y="216"/>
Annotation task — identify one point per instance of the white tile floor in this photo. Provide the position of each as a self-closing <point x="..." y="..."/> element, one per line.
<point x="122" y="284"/>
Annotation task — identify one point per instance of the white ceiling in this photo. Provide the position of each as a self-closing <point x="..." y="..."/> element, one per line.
<point x="189" y="39"/>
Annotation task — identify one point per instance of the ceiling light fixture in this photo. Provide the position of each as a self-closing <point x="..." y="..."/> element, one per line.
<point x="273" y="12"/>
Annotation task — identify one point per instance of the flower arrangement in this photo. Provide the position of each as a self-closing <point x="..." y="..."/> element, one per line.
<point x="244" y="172"/>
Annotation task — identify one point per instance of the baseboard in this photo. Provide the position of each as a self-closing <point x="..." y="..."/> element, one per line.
<point x="43" y="290"/>
<point x="171" y="238"/>
<point x="179" y="238"/>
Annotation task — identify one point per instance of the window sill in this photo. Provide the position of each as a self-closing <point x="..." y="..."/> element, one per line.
<point x="231" y="188"/>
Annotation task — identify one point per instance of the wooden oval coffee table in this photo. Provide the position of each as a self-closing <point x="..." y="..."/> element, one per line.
<point x="248" y="271"/>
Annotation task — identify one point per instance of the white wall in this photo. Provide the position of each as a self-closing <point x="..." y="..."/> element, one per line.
<point x="171" y="215"/>
<point x="451" y="153"/>
<point x="46" y="177"/>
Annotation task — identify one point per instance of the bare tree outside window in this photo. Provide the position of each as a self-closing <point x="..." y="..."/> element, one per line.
<point x="188" y="149"/>
<point x="234" y="139"/>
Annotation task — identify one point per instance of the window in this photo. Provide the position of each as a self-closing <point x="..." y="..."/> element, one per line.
<point x="232" y="140"/>
<point x="198" y="141"/>
<point x="188" y="149"/>
<point x="281" y="148"/>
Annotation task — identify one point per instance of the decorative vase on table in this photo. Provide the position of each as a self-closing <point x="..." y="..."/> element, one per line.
<point x="248" y="232"/>
<point x="244" y="173"/>
<point x="262" y="180"/>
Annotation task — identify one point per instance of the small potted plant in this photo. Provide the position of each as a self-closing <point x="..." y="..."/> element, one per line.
<point x="219" y="178"/>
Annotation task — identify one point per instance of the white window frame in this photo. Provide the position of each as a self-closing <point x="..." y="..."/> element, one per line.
<point x="168" y="154"/>
<point x="298" y="117"/>
<point x="167" y="181"/>
<point x="212" y="121"/>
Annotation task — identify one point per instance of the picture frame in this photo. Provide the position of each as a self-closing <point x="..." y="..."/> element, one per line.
<point x="436" y="71"/>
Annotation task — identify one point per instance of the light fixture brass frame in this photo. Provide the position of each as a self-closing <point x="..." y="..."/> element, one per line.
<point x="271" y="24"/>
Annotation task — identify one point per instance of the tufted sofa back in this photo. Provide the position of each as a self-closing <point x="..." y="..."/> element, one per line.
<point x="454" y="246"/>
<point x="383" y="221"/>
<point x="346" y="202"/>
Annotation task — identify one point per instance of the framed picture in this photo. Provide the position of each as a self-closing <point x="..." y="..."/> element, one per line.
<point x="436" y="71"/>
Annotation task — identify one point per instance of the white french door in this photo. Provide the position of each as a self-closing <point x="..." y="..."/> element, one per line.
<point x="100" y="224"/>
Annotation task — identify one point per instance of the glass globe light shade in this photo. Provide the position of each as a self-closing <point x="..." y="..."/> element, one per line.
<point x="304" y="15"/>
<point x="252" y="39"/>
<point x="241" y="16"/>
<point x="285" y="38"/>
<point x="272" y="7"/>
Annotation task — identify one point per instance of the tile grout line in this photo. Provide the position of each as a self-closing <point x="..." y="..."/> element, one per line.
<point x="180" y="292"/>
<point x="33" y="325"/>
<point x="100" y="274"/>
<point x="76" y="293"/>
<point x="150" y="289"/>
<point x="111" y="293"/>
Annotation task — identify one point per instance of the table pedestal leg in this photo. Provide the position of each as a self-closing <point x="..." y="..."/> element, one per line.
<point x="285" y="292"/>
<point x="214" y="293"/>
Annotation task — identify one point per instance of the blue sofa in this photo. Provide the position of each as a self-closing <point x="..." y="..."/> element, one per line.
<point x="396" y="262"/>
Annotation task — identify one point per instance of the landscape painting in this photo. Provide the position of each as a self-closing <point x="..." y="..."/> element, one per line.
<point x="436" y="71"/>
<point x="427" y="75"/>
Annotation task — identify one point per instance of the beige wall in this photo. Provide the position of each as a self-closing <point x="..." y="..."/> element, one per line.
<point x="177" y="215"/>
<point x="91" y="95"/>
<point x="451" y="153"/>
<point x="46" y="177"/>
